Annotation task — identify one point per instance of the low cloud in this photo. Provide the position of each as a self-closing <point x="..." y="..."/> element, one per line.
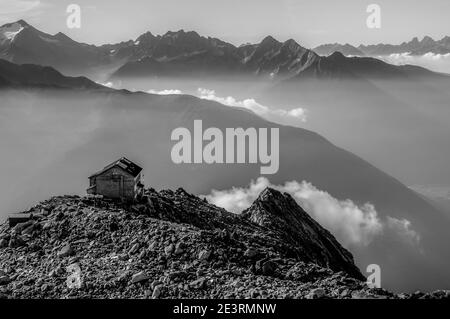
<point x="432" y="61"/>
<point x="107" y="84"/>
<point x="402" y="227"/>
<point x="352" y="225"/>
<point x="289" y="117"/>
<point x="164" y="92"/>
<point x="298" y="114"/>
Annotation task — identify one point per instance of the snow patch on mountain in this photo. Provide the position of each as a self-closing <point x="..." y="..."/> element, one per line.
<point x="9" y="32"/>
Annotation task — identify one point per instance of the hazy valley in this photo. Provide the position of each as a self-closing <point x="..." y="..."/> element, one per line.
<point x="57" y="130"/>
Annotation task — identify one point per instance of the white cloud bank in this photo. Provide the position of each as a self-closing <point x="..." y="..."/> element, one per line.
<point x="291" y="117"/>
<point x="164" y="92"/>
<point x="403" y="228"/>
<point x="432" y="61"/>
<point x="352" y="225"/>
<point x="252" y="105"/>
<point x="107" y="84"/>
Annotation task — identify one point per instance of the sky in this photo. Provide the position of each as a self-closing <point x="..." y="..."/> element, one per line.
<point x="238" y="21"/>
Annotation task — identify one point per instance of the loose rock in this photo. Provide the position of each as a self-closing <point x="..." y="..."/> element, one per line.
<point x="139" y="277"/>
<point x="66" y="251"/>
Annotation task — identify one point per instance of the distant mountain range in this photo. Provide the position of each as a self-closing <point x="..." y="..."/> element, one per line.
<point x="270" y="59"/>
<point x="345" y="49"/>
<point x="187" y="53"/>
<point x="209" y="56"/>
<point x="413" y="47"/>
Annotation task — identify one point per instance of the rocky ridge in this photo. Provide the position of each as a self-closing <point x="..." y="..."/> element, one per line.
<point x="176" y="245"/>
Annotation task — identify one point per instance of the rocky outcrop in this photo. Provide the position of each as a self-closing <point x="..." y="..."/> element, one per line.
<point x="282" y="217"/>
<point x="175" y="245"/>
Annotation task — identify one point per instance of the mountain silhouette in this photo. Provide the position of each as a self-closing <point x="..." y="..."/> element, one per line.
<point x="186" y="53"/>
<point x="413" y="47"/>
<point x="31" y="75"/>
<point x="345" y="49"/>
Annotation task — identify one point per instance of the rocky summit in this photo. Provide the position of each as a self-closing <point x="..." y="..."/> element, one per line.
<point x="176" y="245"/>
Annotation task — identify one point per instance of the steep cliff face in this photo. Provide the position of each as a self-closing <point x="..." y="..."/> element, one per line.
<point x="281" y="215"/>
<point x="174" y="245"/>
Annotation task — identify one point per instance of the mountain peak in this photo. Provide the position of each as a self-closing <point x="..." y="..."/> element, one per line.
<point x="280" y="205"/>
<point x="23" y="23"/>
<point x="181" y="33"/>
<point x="269" y="40"/>
<point x="415" y="40"/>
<point x="273" y="196"/>
<point x="269" y="193"/>
<point x="291" y="44"/>
<point x="145" y="37"/>
<point x="62" y="36"/>
<point x="172" y="33"/>
<point x="9" y="31"/>
<point x="337" y="55"/>
<point x="280" y="214"/>
<point x="427" y="40"/>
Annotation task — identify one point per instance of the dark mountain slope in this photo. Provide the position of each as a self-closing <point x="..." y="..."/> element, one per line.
<point x="279" y="213"/>
<point x="338" y="66"/>
<point x="31" y="75"/>
<point x="4" y="82"/>
<point x="30" y="45"/>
